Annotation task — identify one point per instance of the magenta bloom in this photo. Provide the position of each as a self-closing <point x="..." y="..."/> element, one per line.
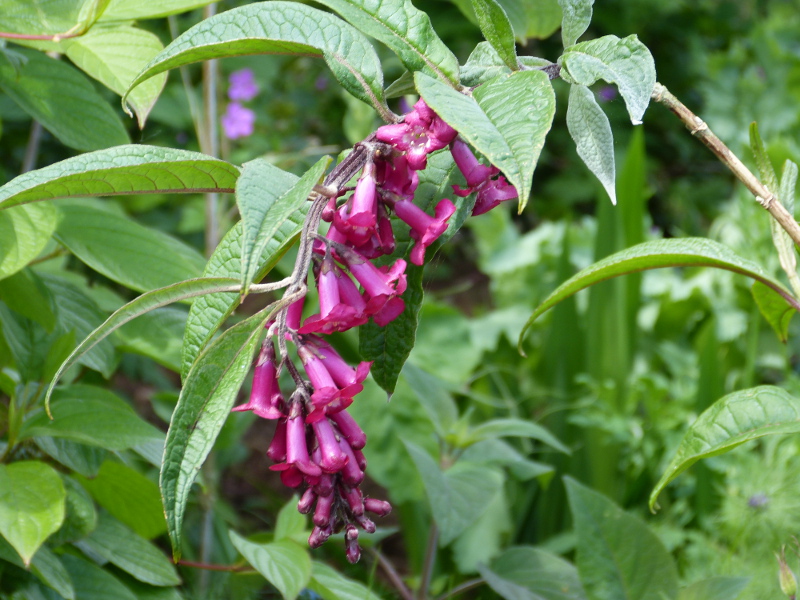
<point x="332" y="457"/>
<point x="397" y="178"/>
<point x="421" y="133"/>
<point x="242" y="85"/>
<point x="347" y="425"/>
<point x="340" y="308"/>
<point x="325" y="390"/>
<point x="238" y="121"/>
<point x="359" y="215"/>
<point x="424" y="228"/>
<point x="297" y="457"/>
<point x="492" y="188"/>
<point x="266" y="399"/>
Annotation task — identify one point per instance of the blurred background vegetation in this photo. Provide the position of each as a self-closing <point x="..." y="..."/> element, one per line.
<point x="616" y="373"/>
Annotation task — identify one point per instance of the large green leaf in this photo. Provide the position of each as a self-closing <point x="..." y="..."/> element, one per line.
<point x="122" y="170"/>
<point x="81" y="458"/>
<point x="63" y="101"/>
<point x="512" y="427"/>
<point x="124" y="10"/>
<point x="404" y="29"/>
<point x="715" y="588"/>
<point x="506" y="120"/>
<point x="157" y="334"/>
<point x="114" y="542"/>
<point x="32" y="505"/>
<point x="497" y="30"/>
<point x="678" y="252"/>
<point x="81" y="518"/>
<point x="141" y="258"/>
<point x="285" y="564"/>
<point x="24" y="232"/>
<point x="433" y="396"/>
<point x="589" y="127"/>
<point x="45" y="566"/>
<point x="619" y="558"/>
<point x="91" y="415"/>
<point x="729" y="422"/>
<point x="209" y="312"/>
<point x="114" y="56"/>
<point x="577" y="14"/>
<point x="129" y="496"/>
<point x="625" y="62"/>
<point x="525" y="573"/>
<point x="95" y="583"/>
<point x="267" y="196"/>
<point x="458" y="496"/>
<point x="206" y="399"/>
<point x="26" y="294"/>
<point x="39" y="17"/>
<point x="332" y="585"/>
<point x="279" y="28"/>
<point x="144" y="303"/>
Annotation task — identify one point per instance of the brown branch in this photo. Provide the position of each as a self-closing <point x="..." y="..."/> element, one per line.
<point x="700" y="130"/>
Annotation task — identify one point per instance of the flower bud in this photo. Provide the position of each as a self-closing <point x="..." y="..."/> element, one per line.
<point x="786" y="577"/>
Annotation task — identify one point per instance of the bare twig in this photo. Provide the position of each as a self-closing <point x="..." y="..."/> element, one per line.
<point x="464" y="587"/>
<point x="392" y="574"/>
<point x="700" y="130"/>
<point x="430" y="560"/>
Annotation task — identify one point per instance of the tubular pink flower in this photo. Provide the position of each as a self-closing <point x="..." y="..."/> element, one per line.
<point x="307" y="501"/>
<point x="424" y="228"/>
<point x="340" y="309"/>
<point x="266" y="400"/>
<point x="277" y="447"/>
<point x="377" y="507"/>
<point x="351" y="473"/>
<point x="389" y="311"/>
<point x="375" y="281"/>
<point x="492" y="188"/>
<point x="354" y="499"/>
<point x="322" y="513"/>
<point x="358" y="216"/>
<point x="294" y="313"/>
<point x="397" y="178"/>
<point x="332" y="458"/>
<point x="492" y="193"/>
<point x="319" y="535"/>
<point x="347" y="425"/>
<point x="296" y="448"/>
<point x="474" y="172"/>
<point x="421" y="133"/>
<point x="352" y="549"/>
<point x="325" y="389"/>
<point x="348" y="379"/>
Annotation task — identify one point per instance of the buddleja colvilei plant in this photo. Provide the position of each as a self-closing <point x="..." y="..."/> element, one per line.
<point x="390" y="203"/>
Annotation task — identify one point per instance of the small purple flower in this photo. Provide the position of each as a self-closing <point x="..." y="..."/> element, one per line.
<point x="242" y="85"/>
<point x="238" y="121"/>
<point x="758" y="501"/>
<point x="607" y="93"/>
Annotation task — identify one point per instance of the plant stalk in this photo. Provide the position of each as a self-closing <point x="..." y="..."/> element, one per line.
<point x="210" y="85"/>
<point x="430" y="560"/>
<point x="393" y="575"/>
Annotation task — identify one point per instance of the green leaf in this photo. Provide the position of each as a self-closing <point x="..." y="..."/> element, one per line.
<point x="285" y="564"/>
<point x="506" y="120"/>
<point x="82" y="459"/>
<point x="577" y="14"/>
<point x="41" y="17"/>
<point x="458" y="496"/>
<point x="788" y="184"/>
<point x="114" y="56"/>
<point x="63" y="101"/>
<point x="141" y="305"/>
<point x="434" y="397"/>
<point x="91" y="415"/>
<point x="497" y="452"/>
<point x="95" y="583"/>
<point x="729" y="422"/>
<point x="129" y="496"/>
<point x="24" y="232"/>
<point x="774" y="309"/>
<point x="135" y="10"/>
<point x="332" y="585"/>
<point x="81" y="518"/>
<point x="32" y="505"/>
<point x="104" y="240"/>
<point x="405" y="30"/>
<point x="205" y="402"/>
<point x="625" y="62"/>
<point x="45" y="566"/>
<point x="715" y="588"/>
<point x="512" y="427"/>
<point x="25" y="294"/>
<point x="544" y="18"/>
<point x="618" y="557"/>
<point x="157" y="334"/>
<point x="484" y="64"/>
<point x="589" y="127"/>
<point x="122" y="170"/>
<point x="525" y="573"/>
<point x="114" y="542"/>
<point x="682" y="252"/>
<point x="289" y="523"/>
<point x="279" y="28"/>
<point x="497" y="30"/>
<point x="267" y="196"/>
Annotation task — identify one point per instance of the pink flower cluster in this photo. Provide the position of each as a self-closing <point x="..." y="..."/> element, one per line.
<point x="238" y="120"/>
<point x="317" y="443"/>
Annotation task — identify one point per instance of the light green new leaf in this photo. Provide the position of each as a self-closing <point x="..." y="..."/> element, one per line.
<point x="135" y="10"/>
<point x="577" y="14"/>
<point x="526" y="573"/>
<point x="32" y="505"/>
<point x="506" y="120"/>
<point x="619" y="557"/>
<point x="332" y="585"/>
<point x="714" y="588"/>
<point x="267" y="196"/>
<point x="434" y="397"/>
<point x="405" y="30"/>
<point x="114" y="56"/>
<point x="515" y="428"/>
<point x="788" y="185"/>
<point x="91" y="415"/>
<point x="678" y="252"/>
<point x="458" y="496"/>
<point x="209" y="312"/>
<point x="206" y="399"/>
<point x="290" y="523"/>
<point x="114" y="542"/>
<point x="123" y="170"/>
<point x="63" y="101"/>
<point x="129" y="496"/>
<point x="729" y="422"/>
<point x="497" y="30"/>
<point x="774" y="309"/>
<point x="48" y="17"/>
<point x="625" y="62"/>
<point x="95" y="583"/>
<point x="24" y="232"/>
<point x="484" y="64"/>
<point x="279" y="28"/>
<point x="285" y="564"/>
<point x="123" y="250"/>
<point x="589" y="127"/>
